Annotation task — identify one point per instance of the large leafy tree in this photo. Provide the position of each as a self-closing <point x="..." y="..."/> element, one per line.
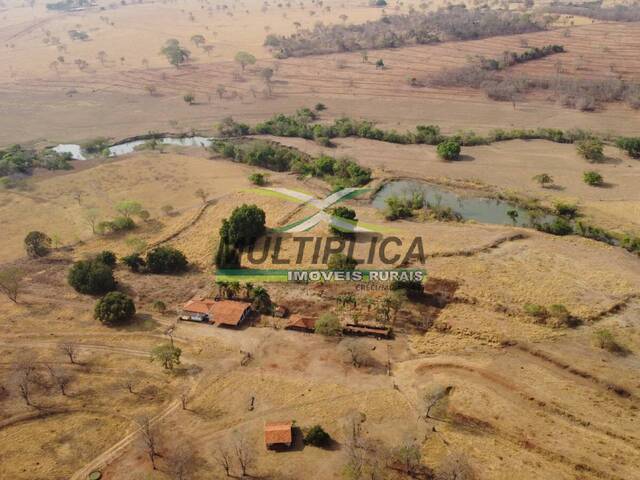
<point x="176" y="55"/>
<point x="246" y="224"/>
<point x="114" y="308"/>
<point x="449" y="150"/>
<point x="91" y="277"/>
<point x="168" y="355"/>
<point x="166" y="260"/>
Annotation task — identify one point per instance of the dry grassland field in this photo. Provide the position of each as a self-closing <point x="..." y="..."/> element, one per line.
<point x="158" y="152"/>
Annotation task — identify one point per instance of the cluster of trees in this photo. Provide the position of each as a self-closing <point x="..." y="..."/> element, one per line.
<point x="339" y="173"/>
<point x="300" y="125"/>
<point x="246" y="224"/>
<point x="68" y="4"/>
<point x="19" y="160"/>
<point x="509" y="58"/>
<point x="160" y="260"/>
<point x="452" y="23"/>
<point x="571" y="92"/>
<point x="616" y="13"/>
<point x="126" y="209"/>
<point x="591" y="149"/>
<point x="96" y="146"/>
<point x="257" y="295"/>
<point x="403" y="206"/>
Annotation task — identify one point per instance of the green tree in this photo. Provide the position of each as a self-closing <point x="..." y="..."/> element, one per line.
<point x="258" y="179"/>
<point x="227" y="256"/>
<point x="328" y="325"/>
<point x="449" y="150"/>
<point x="593" y="178"/>
<point x="513" y="215"/>
<point x="244" y="59"/>
<point x="114" y="308"/>
<point x="37" y="244"/>
<point x="165" y="259"/>
<point x="168" y="355"/>
<point x="245" y="225"/>
<point x="261" y="300"/>
<point x="107" y="257"/>
<point x="91" y="277"/>
<point x="128" y="208"/>
<point x="591" y="149"/>
<point x="134" y="262"/>
<point x="176" y="55"/>
<point x="340" y="261"/>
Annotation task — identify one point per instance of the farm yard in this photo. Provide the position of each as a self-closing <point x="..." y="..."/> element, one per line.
<point x="145" y="330"/>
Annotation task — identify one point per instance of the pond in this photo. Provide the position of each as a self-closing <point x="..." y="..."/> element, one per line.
<point x="129" y="147"/>
<point x="482" y="210"/>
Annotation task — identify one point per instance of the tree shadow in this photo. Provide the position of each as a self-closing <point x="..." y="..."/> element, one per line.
<point x="141" y="322"/>
<point x="465" y="158"/>
<point x="555" y="187"/>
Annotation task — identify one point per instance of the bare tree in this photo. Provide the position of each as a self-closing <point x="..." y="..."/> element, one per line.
<point x="223" y="458"/>
<point x="182" y="462"/>
<point x="455" y="466"/>
<point x="11" y="282"/>
<point x="25" y="373"/>
<point x="70" y="350"/>
<point x="201" y="194"/>
<point x="60" y="378"/>
<point x="184" y="397"/>
<point x="129" y="383"/>
<point x="431" y="395"/>
<point x="149" y="439"/>
<point x="91" y="218"/>
<point x="357" y="353"/>
<point x="245" y="454"/>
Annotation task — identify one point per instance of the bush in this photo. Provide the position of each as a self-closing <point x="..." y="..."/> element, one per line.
<point x="37" y="244"/>
<point x="560" y="316"/>
<point x="328" y="325"/>
<point x="159" y="306"/>
<point x="606" y="340"/>
<point x="539" y="312"/>
<point x="258" y="179"/>
<point x="631" y="145"/>
<point x="341" y="262"/>
<point x="91" y="277"/>
<point x="134" y="262"/>
<point x="166" y="260"/>
<point x="107" y="257"/>
<point x="543" y="179"/>
<point x="449" y="150"/>
<point x="114" y="308"/>
<point x="591" y="149"/>
<point x="593" y="178"/>
<point x="567" y="210"/>
<point x="317" y="437"/>
<point x="244" y="226"/>
<point x="320" y="107"/>
<point x="95" y="146"/>
<point x="560" y="226"/>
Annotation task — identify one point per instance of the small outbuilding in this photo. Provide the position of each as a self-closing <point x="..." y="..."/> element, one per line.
<point x="301" y="324"/>
<point x="278" y="435"/>
<point x="280" y="311"/>
<point x="367" y="330"/>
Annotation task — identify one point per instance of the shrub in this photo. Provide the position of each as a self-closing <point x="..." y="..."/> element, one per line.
<point x="134" y="262"/>
<point x="114" y="308"/>
<point x="37" y="244"/>
<point x="328" y="325"/>
<point x="320" y="107"/>
<point x="168" y="355"/>
<point x="560" y="316"/>
<point x="567" y="210"/>
<point x="606" y="340"/>
<point x="345" y="213"/>
<point x="166" y="260"/>
<point x="159" y="306"/>
<point x="230" y="128"/>
<point x="95" y="146"/>
<point x="593" y="178"/>
<point x="539" y="312"/>
<point x="317" y="437"/>
<point x="258" y="179"/>
<point x="342" y="262"/>
<point x="91" y="277"/>
<point x="560" y="226"/>
<point x="591" y="149"/>
<point x="631" y="145"/>
<point x="107" y="257"/>
<point x="449" y="150"/>
<point x="543" y="179"/>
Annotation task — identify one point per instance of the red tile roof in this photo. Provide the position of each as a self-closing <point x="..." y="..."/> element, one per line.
<point x="197" y="305"/>
<point x="228" y="312"/>
<point x="277" y="433"/>
<point x="301" y="322"/>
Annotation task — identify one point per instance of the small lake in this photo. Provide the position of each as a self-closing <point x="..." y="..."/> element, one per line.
<point x="130" y="147"/>
<point x="482" y="210"/>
